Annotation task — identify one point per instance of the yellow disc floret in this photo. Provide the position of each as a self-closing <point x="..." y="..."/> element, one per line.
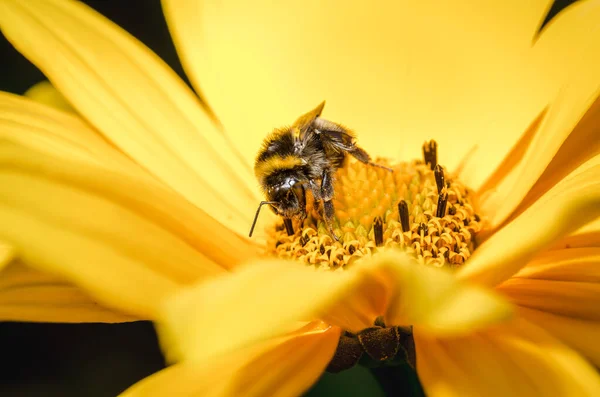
<point x="426" y="212"/>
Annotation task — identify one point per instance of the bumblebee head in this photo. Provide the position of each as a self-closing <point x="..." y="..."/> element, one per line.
<point x="286" y="198"/>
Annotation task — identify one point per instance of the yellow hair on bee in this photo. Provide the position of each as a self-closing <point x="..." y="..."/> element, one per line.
<point x="266" y="167"/>
<point x="295" y="133"/>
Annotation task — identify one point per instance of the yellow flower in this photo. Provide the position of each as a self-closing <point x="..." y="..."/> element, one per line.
<point x="142" y="195"/>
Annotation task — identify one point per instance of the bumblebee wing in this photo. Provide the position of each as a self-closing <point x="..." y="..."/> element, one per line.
<point x="304" y="122"/>
<point x="339" y="140"/>
<point x="335" y="135"/>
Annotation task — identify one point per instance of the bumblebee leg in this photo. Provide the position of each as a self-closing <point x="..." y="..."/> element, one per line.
<point x="327" y="196"/>
<point x="302" y="213"/>
<point x="329" y="211"/>
<point x="301" y="217"/>
<point x="362" y="156"/>
<point x="315" y="190"/>
<point x="327" y="185"/>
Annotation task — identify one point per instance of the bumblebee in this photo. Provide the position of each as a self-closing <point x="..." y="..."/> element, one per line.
<point x="304" y="157"/>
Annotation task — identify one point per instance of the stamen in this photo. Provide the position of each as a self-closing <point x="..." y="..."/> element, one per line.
<point x="378" y="231"/>
<point x="304" y="239"/>
<point x="289" y="228"/>
<point x="430" y="153"/>
<point x="423" y="229"/>
<point x="439" y="177"/>
<point x="426" y="155"/>
<point x="441" y="206"/>
<point x="403" y="212"/>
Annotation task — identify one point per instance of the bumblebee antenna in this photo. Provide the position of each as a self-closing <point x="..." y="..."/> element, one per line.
<point x="258" y="212"/>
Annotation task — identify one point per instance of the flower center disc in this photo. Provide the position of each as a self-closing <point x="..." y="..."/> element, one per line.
<point x="422" y="210"/>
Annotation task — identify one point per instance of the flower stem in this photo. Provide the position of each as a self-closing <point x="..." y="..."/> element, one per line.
<point x="398" y="380"/>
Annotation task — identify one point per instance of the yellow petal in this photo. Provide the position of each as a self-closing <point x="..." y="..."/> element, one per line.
<point x="281" y="367"/>
<point x="568" y="298"/>
<point x="581" y="145"/>
<point x="383" y="70"/>
<point x="406" y="293"/>
<point x="434" y="300"/>
<point x="54" y="132"/>
<point x="29" y="295"/>
<point x="128" y="243"/>
<point x="516" y="359"/>
<point x="572" y="203"/>
<point x="579" y="334"/>
<point x="65" y="136"/>
<point x="7" y="254"/>
<point x="579" y="89"/>
<point x="574" y="264"/>
<point x="551" y="140"/>
<point x="369" y="299"/>
<point x="44" y="92"/>
<point x="560" y="291"/>
<point x="263" y="299"/>
<point x="136" y="101"/>
<point x="586" y="236"/>
<point x="269" y="297"/>
<point x="512" y="158"/>
<point x="564" y="282"/>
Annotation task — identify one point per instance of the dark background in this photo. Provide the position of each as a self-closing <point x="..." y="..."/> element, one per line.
<point x="102" y="359"/>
